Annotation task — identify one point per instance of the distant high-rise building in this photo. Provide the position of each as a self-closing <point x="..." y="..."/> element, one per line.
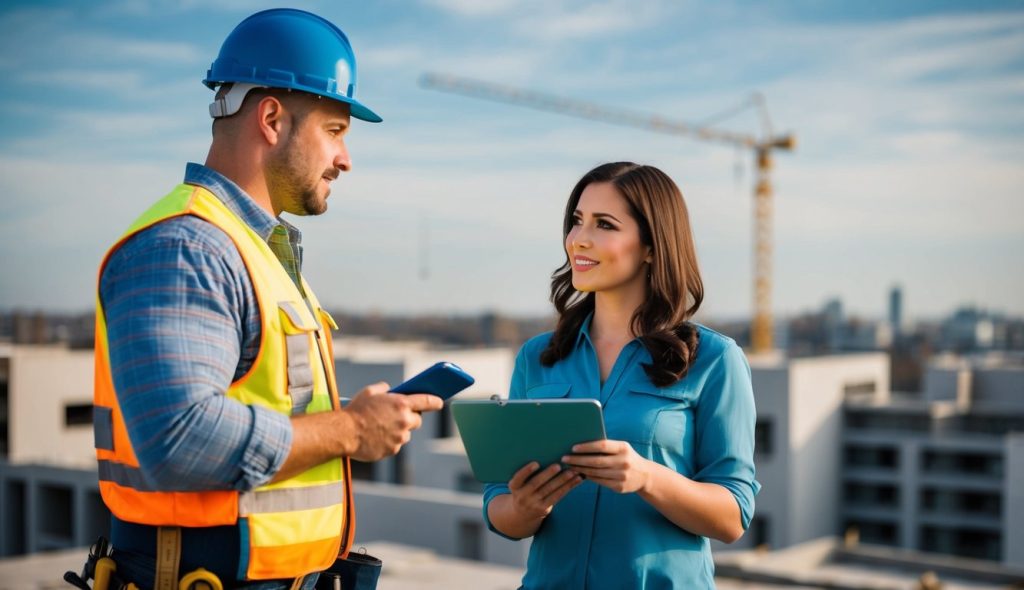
<point x="896" y="311"/>
<point x="832" y="317"/>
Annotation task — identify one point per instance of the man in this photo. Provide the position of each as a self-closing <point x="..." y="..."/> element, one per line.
<point x="220" y="439"/>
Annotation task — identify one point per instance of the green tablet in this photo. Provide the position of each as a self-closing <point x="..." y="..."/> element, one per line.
<point x="501" y="436"/>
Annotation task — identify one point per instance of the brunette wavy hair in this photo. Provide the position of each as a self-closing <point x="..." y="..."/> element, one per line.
<point x="674" y="287"/>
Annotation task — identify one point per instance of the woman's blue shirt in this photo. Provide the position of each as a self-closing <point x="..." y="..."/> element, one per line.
<point x="701" y="426"/>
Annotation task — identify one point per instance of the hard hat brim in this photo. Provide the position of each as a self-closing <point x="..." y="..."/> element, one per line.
<point x="361" y="112"/>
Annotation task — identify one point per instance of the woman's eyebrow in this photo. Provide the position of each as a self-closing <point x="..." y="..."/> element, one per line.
<point x="608" y="215"/>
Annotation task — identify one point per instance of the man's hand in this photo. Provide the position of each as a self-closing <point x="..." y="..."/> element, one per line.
<point x="374" y="425"/>
<point x="385" y="421"/>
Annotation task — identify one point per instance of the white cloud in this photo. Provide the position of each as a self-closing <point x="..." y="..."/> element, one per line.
<point x="954" y="56"/>
<point x="558" y="21"/>
<point x="475" y="8"/>
<point x="390" y="56"/>
<point x="944" y="25"/>
<point x="111" y="47"/>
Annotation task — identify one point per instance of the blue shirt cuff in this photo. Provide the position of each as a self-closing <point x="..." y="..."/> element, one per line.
<point x="268" y="447"/>
<point x="492" y="491"/>
<point x="742" y="491"/>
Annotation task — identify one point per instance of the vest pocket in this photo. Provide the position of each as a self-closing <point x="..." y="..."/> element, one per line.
<point x="299" y="334"/>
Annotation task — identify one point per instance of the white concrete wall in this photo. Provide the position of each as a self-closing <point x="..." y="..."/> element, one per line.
<point x="771" y="396"/>
<point x="42" y="381"/>
<point x="815" y="437"/>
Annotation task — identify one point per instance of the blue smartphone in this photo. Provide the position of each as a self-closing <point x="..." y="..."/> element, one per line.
<point x="444" y="380"/>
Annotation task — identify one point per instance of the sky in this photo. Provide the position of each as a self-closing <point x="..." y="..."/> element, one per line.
<point x="909" y="119"/>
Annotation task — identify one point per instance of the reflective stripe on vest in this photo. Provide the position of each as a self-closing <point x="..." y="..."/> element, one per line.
<point x="260" y="500"/>
<point x="294" y="527"/>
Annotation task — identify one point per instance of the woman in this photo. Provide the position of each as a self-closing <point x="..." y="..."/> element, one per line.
<point x="635" y="510"/>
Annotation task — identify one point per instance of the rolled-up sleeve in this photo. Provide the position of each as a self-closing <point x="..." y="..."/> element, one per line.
<point x="171" y="298"/>
<point x="725" y="418"/>
<point x="517" y="390"/>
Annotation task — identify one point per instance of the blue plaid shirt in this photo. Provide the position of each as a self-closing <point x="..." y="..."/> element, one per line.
<point x="183" y="323"/>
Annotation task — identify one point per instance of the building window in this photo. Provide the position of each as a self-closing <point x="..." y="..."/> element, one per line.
<point x="859" y="391"/>
<point x="763" y="439"/>
<point x="4" y="411"/>
<point x="465" y="482"/>
<point x="760" y="531"/>
<point x="874" y="532"/>
<point x="964" y="542"/>
<point x="470" y="534"/>
<point x="362" y="470"/>
<point x="999" y="425"/>
<point x="964" y="502"/>
<point x="871" y="495"/>
<point x="78" y="415"/>
<point x="15" y="519"/>
<point x="958" y="463"/>
<point x="54" y="517"/>
<point x="858" y="419"/>
<point x="97" y="517"/>
<point x="887" y="458"/>
<point x="444" y="422"/>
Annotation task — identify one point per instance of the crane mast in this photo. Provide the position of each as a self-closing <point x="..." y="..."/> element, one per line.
<point x="762" y="329"/>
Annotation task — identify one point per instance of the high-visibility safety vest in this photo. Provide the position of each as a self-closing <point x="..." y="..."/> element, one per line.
<point x="292" y="527"/>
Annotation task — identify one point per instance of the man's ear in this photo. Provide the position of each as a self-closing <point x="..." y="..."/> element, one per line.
<point x="270" y="117"/>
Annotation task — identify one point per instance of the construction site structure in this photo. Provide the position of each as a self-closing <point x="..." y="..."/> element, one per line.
<point x="761" y="329"/>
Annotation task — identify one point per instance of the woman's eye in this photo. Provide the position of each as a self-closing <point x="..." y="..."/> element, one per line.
<point x="604" y="225"/>
<point x="577" y="221"/>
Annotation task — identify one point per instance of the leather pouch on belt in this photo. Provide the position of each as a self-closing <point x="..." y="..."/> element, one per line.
<point x="359" y="571"/>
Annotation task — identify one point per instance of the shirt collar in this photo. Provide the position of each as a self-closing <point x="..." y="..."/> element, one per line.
<point x="584" y="333"/>
<point x="238" y="201"/>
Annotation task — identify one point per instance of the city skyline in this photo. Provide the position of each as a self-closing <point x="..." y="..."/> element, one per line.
<point x="908" y="121"/>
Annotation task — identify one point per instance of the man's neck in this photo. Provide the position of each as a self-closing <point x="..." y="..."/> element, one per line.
<point x="247" y="175"/>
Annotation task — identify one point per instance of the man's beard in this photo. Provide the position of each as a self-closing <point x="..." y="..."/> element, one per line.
<point x="288" y="177"/>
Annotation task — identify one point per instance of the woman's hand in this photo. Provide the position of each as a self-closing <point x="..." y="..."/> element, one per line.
<point x="611" y="463"/>
<point x="535" y="493"/>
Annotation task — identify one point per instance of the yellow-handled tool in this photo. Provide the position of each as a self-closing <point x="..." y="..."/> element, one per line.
<point x="105" y="567"/>
<point x="200" y="579"/>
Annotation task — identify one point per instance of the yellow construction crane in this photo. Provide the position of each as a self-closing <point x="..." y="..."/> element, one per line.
<point x="761" y="328"/>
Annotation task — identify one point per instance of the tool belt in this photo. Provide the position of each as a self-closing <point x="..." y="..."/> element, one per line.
<point x="102" y="569"/>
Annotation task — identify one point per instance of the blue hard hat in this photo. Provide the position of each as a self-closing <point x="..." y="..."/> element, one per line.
<point x="294" y="49"/>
